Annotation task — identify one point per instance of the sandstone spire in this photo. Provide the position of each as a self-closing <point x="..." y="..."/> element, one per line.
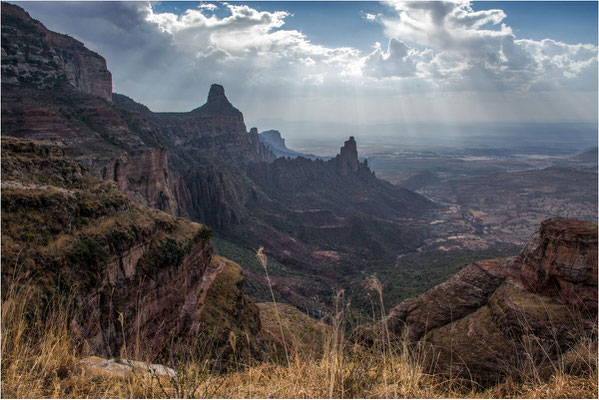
<point x="347" y="160"/>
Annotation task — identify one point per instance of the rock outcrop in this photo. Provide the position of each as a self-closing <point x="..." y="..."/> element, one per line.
<point x="347" y="160"/>
<point x="264" y="152"/>
<point x="276" y="143"/>
<point x="498" y="316"/>
<point x="560" y="261"/>
<point x="140" y="278"/>
<point x="274" y="139"/>
<point x="216" y="117"/>
<point x="144" y="177"/>
<point x="33" y="55"/>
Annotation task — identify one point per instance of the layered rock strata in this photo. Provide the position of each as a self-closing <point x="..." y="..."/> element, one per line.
<point x="496" y="317"/>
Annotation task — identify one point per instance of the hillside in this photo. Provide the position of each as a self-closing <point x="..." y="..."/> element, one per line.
<point x="139" y="278"/>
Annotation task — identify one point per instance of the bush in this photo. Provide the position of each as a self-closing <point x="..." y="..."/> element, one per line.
<point x="205" y="233"/>
<point x="168" y="253"/>
<point x="89" y="252"/>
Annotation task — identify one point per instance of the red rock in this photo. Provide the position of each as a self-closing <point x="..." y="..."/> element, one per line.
<point x="560" y="261"/>
<point x="497" y="317"/>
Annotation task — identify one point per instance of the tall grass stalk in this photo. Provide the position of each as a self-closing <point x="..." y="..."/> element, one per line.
<point x="264" y="262"/>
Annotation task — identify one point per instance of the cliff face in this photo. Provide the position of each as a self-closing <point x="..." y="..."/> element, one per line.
<point x="274" y="139"/>
<point x="144" y="178"/>
<point x="560" y="261"/>
<point x="493" y="314"/>
<point x="33" y="55"/>
<point x="276" y="143"/>
<point x="139" y="277"/>
<point x="55" y="90"/>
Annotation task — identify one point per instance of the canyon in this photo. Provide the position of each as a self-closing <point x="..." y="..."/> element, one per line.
<point x="151" y="221"/>
<point x="206" y="166"/>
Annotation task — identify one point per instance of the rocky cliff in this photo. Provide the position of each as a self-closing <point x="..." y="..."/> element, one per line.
<point x="144" y="177"/>
<point x="215" y="130"/>
<point x="139" y="278"/>
<point x="274" y="139"/>
<point x="55" y="90"/>
<point x="347" y="160"/>
<point x="216" y="117"/>
<point x="498" y="316"/>
<point x="33" y="55"/>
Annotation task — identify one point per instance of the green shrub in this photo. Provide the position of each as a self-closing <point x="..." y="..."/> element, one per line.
<point x="89" y="252"/>
<point x="168" y="253"/>
<point x="205" y="233"/>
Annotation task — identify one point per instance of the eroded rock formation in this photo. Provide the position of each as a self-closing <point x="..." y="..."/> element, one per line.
<point x="347" y="160"/>
<point x="144" y="177"/>
<point x="215" y="118"/>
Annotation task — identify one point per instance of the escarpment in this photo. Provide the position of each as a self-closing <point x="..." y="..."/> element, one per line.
<point x="35" y="56"/>
<point x="146" y="179"/>
<point x="485" y="321"/>
<point x="139" y="278"/>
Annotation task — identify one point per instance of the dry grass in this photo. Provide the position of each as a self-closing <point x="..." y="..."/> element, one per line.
<point x="39" y="361"/>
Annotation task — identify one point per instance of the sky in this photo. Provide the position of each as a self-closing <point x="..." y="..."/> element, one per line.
<point x="284" y="64"/>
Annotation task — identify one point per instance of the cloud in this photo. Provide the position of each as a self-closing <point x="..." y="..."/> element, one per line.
<point x="398" y="61"/>
<point x="441" y="61"/>
<point x="475" y="48"/>
<point x="251" y="39"/>
<point x="208" y="6"/>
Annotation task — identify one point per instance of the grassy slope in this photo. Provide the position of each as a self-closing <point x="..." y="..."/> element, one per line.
<point x="39" y="361"/>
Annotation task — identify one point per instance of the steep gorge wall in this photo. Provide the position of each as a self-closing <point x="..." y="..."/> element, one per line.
<point x="146" y="178"/>
<point x="31" y="54"/>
